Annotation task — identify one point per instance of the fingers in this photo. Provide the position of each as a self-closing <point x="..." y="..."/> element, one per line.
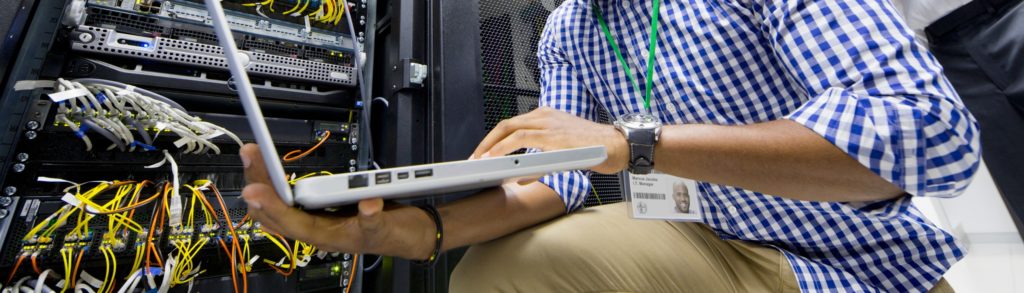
<point x="527" y="180"/>
<point x="532" y="120"/>
<point x="268" y="209"/>
<point x="370" y="218"/>
<point x="524" y="138"/>
<point x="252" y="161"/>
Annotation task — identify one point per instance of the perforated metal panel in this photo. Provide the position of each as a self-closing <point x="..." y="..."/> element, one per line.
<point x="509" y="34"/>
<point x="108" y="41"/>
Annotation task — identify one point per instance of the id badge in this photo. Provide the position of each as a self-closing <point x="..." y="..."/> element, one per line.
<point x="659" y="196"/>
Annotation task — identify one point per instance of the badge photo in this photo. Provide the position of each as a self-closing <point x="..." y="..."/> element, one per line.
<point x="659" y="196"/>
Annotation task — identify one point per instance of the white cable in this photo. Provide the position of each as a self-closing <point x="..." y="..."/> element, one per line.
<point x="126" y="103"/>
<point x="133" y="283"/>
<point x="174" y="216"/>
<point x="42" y="281"/>
<point x="74" y="127"/>
<point x="82" y="287"/>
<point x="17" y="285"/>
<point x="165" y="284"/>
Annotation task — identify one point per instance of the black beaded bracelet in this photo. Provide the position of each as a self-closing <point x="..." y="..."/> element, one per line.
<point x="436" y="217"/>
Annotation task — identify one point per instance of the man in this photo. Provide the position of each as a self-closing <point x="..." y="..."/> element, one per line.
<point x="810" y="125"/>
<point x="681" y="195"/>
<point x="980" y="45"/>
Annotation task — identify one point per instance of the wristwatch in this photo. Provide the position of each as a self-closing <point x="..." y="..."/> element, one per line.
<point x="641" y="131"/>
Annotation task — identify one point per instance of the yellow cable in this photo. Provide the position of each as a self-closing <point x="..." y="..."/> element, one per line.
<point x="135" y="196"/>
<point x="113" y="272"/>
<point x="258" y="3"/>
<point x="274" y="240"/>
<point x="246" y="253"/>
<point x="43" y="223"/>
<point x="328" y="7"/>
<point x="295" y="253"/>
<point x="60" y="222"/>
<point x="192" y="206"/>
<point x="342" y="10"/>
<point x="137" y="261"/>
<point x="65" y="257"/>
<point x="297" y="4"/>
<point x="106" y="273"/>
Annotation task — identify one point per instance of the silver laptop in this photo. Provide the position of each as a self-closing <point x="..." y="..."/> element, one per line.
<point x="394" y="183"/>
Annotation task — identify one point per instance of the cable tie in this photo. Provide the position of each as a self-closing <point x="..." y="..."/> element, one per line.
<point x="68" y="94"/>
<point x="143" y="145"/>
<point x="25" y="85"/>
<point x="74" y="201"/>
<point x="81" y="130"/>
<point x="101" y="97"/>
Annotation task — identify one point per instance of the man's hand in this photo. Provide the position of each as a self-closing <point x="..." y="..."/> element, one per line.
<point x="401" y="231"/>
<point x="548" y="130"/>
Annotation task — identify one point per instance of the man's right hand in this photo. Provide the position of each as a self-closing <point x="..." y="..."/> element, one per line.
<point x="401" y="231"/>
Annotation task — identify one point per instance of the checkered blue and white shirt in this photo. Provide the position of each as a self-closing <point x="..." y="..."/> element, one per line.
<point x="849" y="70"/>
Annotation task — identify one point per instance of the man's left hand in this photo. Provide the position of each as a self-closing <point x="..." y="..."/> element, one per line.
<point x="548" y="129"/>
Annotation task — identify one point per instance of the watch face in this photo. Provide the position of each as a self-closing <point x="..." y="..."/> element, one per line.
<point x="640" y="121"/>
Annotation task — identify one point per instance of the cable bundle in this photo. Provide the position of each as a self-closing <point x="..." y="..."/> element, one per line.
<point x="326" y="11"/>
<point x="124" y="114"/>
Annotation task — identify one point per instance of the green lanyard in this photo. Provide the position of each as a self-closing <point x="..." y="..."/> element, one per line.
<point x="650" y="56"/>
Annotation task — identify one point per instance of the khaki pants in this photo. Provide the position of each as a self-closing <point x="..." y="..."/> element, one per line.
<point x="601" y="250"/>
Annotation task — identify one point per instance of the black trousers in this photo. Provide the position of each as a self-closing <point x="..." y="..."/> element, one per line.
<point x="984" y="60"/>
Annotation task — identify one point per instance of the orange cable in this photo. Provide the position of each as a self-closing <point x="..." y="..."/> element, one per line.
<point x="352" y="276"/>
<point x="291" y="156"/>
<point x="152" y="230"/>
<point x="74" y="271"/>
<point x="234" y="235"/>
<point x="35" y="266"/>
<point x="15" y="270"/>
<point x="246" y="217"/>
<point x="131" y="214"/>
<point x="234" y="280"/>
<point x="131" y="207"/>
<point x="209" y="207"/>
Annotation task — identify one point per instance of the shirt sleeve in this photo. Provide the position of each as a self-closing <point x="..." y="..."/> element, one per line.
<point x="563" y="89"/>
<point x="875" y="93"/>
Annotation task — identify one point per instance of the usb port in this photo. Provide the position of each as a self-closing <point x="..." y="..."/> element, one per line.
<point x="357" y="181"/>
<point x="424" y="173"/>
<point x="403" y="175"/>
<point x="383" y="177"/>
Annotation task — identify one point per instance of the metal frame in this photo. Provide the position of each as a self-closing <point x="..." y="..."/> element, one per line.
<point x="29" y="40"/>
<point x="440" y="120"/>
<point x="14" y="106"/>
<point x="457" y="102"/>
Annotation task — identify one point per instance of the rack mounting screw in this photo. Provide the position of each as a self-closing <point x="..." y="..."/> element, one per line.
<point x="3" y="214"/>
<point x="18" y="167"/>
<point x="351" y="169"/>
<point x="32" y="125"/>
<point x="355" y="147"/>
<point x="85" y="37"/>
<point x="30" y="135"/>
<point x="22" y="157"/>
<point x="5" y="201"/>
<point x="10" y="190"/>
<point x="352" y="162"/>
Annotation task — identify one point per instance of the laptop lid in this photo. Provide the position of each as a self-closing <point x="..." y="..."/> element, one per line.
<point x="237" y="63"/>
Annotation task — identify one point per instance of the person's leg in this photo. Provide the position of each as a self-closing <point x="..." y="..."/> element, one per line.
<point x="602" y="250"/>
<point x="985" y="63"/>
<point x="941" y="287"/>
